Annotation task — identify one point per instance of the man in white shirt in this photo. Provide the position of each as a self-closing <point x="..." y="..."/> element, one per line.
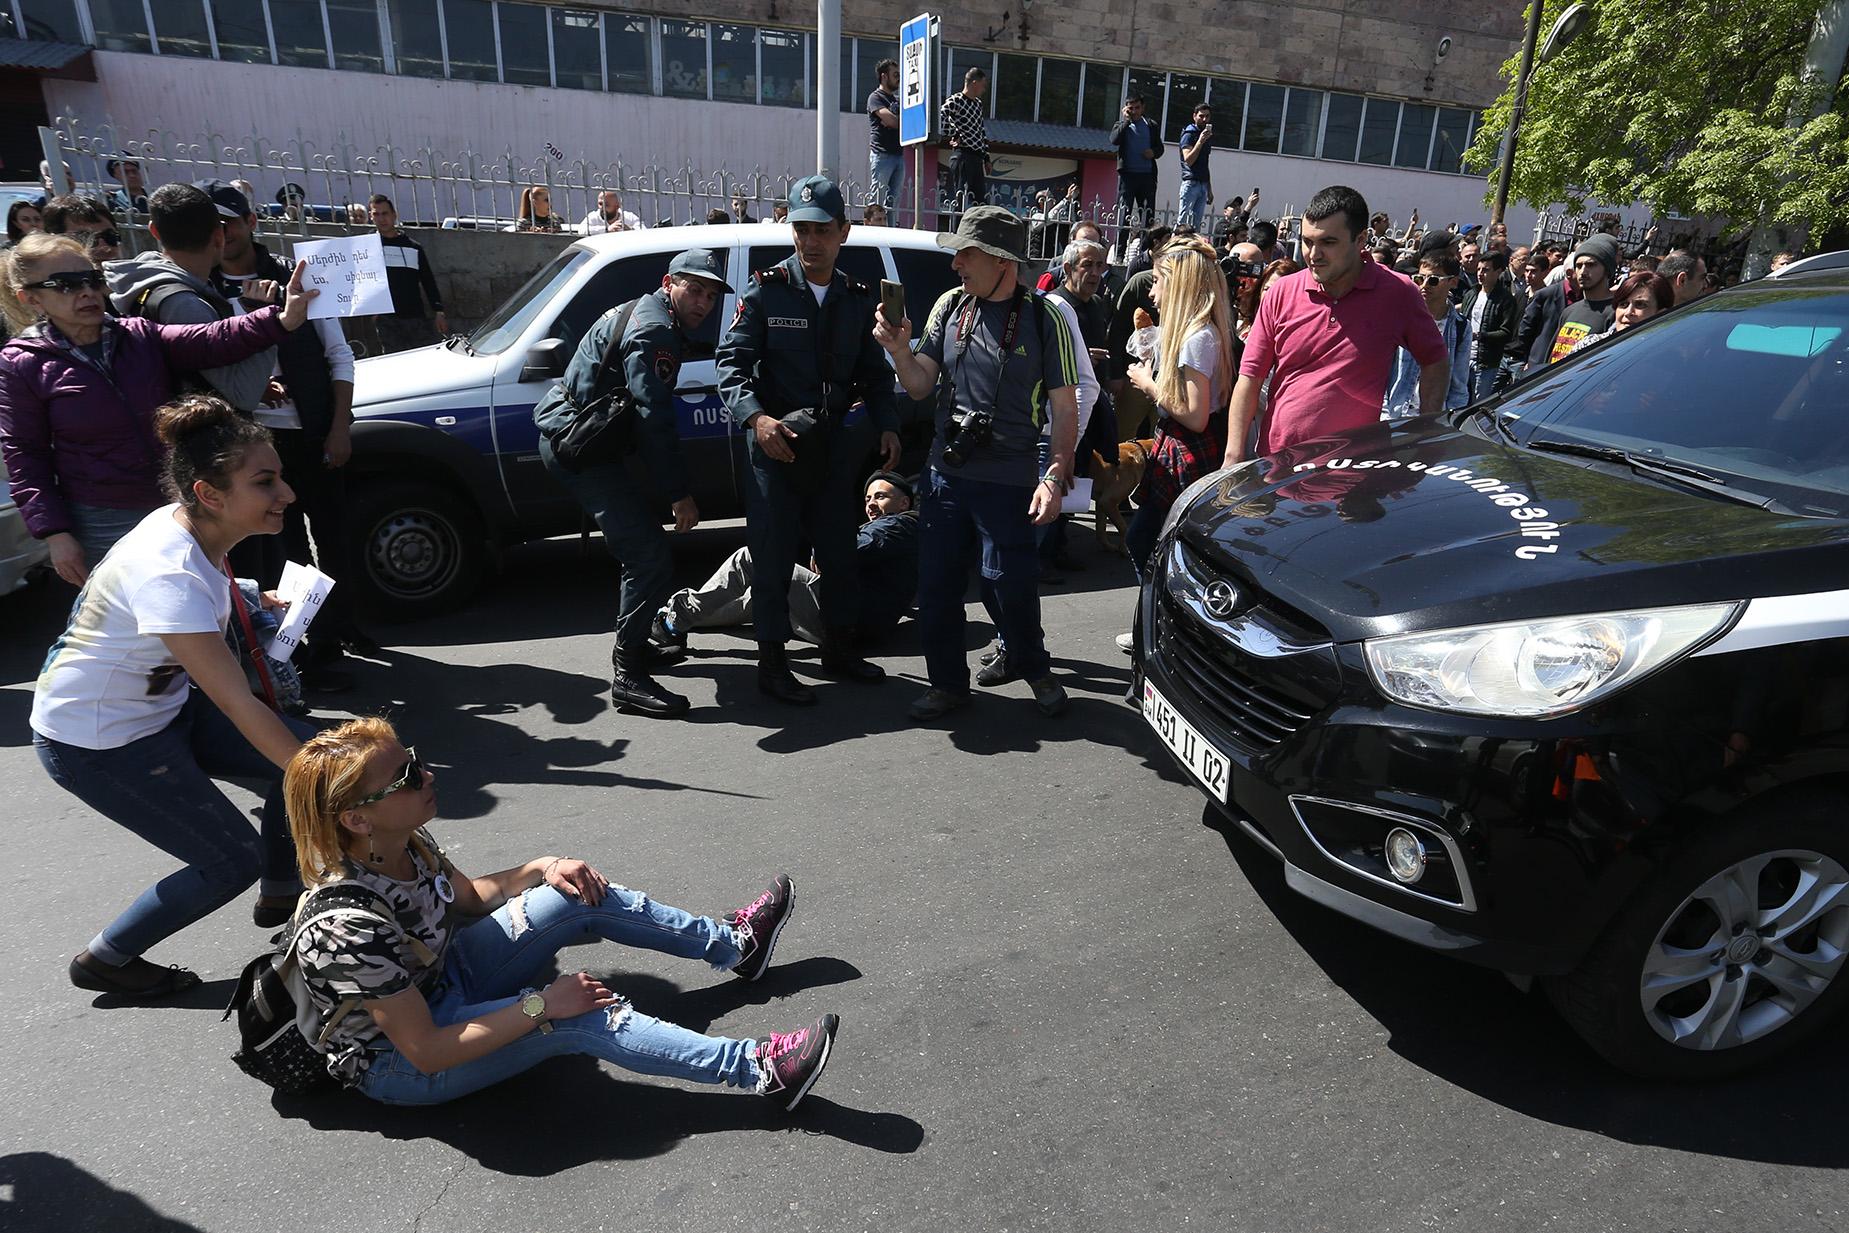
<point x="610" y="215"/>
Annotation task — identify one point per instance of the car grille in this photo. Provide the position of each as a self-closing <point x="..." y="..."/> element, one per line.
<point x="1254" y="714"/>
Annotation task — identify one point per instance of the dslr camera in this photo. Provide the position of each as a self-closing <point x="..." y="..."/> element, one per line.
<point x="967" y="432"/>
<point x="1236" y="269"/>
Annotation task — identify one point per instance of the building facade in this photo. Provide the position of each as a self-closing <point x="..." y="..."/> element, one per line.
<point x="1303" y="95"/>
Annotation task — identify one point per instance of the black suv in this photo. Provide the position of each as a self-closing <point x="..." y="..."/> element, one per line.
<point x="1560" y="684"/>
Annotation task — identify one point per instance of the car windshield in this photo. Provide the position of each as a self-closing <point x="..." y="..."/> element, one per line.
<point x="507" y="323"/>
<point x="1748" y="386"/>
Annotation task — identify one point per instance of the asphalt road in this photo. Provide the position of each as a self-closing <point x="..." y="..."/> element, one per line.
<point x="1069" y="1000"/>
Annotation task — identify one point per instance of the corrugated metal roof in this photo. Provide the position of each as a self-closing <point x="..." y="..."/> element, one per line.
<point x="1064" y="137"/>
<point x="39" y="56"/>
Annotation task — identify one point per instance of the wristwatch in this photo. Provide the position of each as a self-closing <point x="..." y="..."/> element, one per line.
<point x="533" y="1006"/>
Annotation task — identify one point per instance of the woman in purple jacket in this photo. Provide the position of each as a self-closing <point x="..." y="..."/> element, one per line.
<point x="78" y="390"/>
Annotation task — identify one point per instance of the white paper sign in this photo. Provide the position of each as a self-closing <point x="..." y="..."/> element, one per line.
<point x="306" y="588"/>
<point x="1078" y="500"/>
<point x="349" y="272"/>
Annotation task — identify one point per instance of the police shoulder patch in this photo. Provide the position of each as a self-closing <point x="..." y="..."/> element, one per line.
<point x="665" y="364"/>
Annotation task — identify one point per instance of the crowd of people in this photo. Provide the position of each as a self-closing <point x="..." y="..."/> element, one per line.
<point x="169" y="426"/>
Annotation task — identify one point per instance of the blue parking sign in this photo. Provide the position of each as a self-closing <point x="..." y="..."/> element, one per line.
<point x="915" y="83"/>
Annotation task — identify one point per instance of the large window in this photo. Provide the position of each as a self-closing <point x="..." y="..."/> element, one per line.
<point x="1014" y="85"/>
<point x="179" y="25"/>
<point x="1104" y="92"/>
<point x="52" y="20"/>
<point x="1415" y="135"/>
<point x="355" y="27"/>
<point x="417" y="42"/>
<point x="577" y="57"/>
<point x="470" y="25"/>
<point x="300" y="38"/>
<point x="683" y="58"/>
<point x="524" y="61"/>
<point x="1059" y="91"/>
<point x="1264" y="118"/>
<point x="1377" y="130"/>
<point x="627" y="46"/>
<point x="780" y="57"/>
<point x="1185" y="93"/>
<point x="1342" y="133"/>
<point x="735" y="63"/>
<point x="1303" y="117"/>
<point x="1228" y="100"/>
<point x="1453" y="140"/>
<point x="243" y="38"/>
<point x="121" y="25"/>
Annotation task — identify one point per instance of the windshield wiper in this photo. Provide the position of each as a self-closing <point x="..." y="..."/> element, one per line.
<point x="1501" y="423"/>
<point x="1680" y="472"/>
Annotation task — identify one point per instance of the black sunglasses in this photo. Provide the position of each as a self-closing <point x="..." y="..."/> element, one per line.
<point x="409" y="779"/>
<point x="110" y="237"/>
<point x="70" y="283"/>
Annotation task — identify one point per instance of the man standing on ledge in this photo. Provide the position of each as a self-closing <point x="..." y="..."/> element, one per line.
<point x="966" y="127"/>
<point x="411" y="281"/>
<point x="799" y="355"/>
<point x="1004" y="359"/>
<point x="1328" y="336"/>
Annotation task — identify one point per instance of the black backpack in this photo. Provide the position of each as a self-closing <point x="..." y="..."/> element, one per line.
<point x="278" y="1042"/>
<point x="603" y="429"/>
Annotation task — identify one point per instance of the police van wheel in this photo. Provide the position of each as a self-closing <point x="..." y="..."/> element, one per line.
<point x="1731" y="955"/>
<point x="419" y="548"/>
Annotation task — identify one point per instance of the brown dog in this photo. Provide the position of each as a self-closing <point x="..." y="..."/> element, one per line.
<point x="1114" y="479"/>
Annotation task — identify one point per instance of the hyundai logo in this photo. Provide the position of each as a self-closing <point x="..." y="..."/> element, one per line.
<point x="1220" y="599"/>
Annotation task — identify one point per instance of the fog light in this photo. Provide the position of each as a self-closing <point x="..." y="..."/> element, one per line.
<point x="1405" y="855"/>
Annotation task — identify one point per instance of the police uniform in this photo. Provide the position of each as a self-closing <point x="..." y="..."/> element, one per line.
<point x="785" y="353"/>
<point x="651" y="349"/>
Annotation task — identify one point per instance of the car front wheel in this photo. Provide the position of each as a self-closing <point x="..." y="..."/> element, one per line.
<point x="1733" y="954"/>
<point x="419" y="547"/>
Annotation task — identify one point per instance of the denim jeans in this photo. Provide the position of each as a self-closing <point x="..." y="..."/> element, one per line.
<point x="1196" y="197"/>
<point x="957" y="519"/>
<point x="160" y="788"/>
<point x="1484" y="382"/>
<point x="607" y="493"/>
<point x="492" y="960"/>
<point x="887" y="171"/>
<point x="97" y="528"/>
<point x="1141" y="534"/>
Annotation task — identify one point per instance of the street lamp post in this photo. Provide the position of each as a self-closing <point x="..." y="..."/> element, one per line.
<point x="1569" y="26"/>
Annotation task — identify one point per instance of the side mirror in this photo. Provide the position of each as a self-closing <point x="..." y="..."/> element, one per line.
<point x="545" y="360"/>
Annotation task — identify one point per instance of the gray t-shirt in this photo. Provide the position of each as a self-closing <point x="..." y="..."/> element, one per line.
<point x="1044" y="359"/>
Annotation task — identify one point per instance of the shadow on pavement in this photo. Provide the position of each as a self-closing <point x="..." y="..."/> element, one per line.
<point x="50" y="1192"/>
<point x="1469" y="1026"/>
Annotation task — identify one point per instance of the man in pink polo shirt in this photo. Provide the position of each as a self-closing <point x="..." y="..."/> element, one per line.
<point x="1327" y="336"/>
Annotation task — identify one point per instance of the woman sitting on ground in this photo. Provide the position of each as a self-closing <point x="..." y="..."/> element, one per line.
<point x="1642" y="295"/>
<point x="536" y="210"/>
<point x="78" y="392"/>
<point x="438" y="1002"/>
<point x="142" y="702"/>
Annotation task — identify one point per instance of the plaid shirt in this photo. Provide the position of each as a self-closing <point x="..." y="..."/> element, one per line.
<point x="1180" y="457"/>
<point x="966" y="122"/>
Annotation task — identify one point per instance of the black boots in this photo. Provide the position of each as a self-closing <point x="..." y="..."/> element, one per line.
<point x="775" y="678"/>
<point x="636" y="692"/>
<point x="840" y="662"/>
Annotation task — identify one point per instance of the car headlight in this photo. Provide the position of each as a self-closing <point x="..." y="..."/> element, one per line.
<point x="1538" y="669"/>
<point x="1190" y="494"/>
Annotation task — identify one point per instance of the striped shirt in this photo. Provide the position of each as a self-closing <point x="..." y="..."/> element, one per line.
<point x="966" y="122"/>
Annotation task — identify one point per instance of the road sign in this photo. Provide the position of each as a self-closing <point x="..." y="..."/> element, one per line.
<point x="915" y="84"/>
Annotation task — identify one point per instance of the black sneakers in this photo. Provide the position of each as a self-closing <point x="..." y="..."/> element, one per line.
<point x="757" y="924"/>
<point x="664" y="639"/>
<point x="789" y="1063"/>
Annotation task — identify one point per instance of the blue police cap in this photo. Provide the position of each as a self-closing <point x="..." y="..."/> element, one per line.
<point x="815" y="199"/>
<point x="701" y="263"/>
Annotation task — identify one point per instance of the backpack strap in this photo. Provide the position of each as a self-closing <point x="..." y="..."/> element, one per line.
<point x="148" y="303"/>
<point x="362" y="902"/>
<point x="612" y="357"/>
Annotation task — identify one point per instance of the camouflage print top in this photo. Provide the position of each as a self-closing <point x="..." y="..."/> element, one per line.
<point x="351" y="957"/>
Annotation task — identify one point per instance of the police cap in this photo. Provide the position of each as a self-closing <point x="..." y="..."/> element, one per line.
<point x="815" y="199"/>
<point x="701" y="263"/>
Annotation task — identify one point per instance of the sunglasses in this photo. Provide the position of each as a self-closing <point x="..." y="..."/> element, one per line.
<point x="111" y="237"/>
<point x="72" y="283"/>
<point x="410" y="779"/>
<point x="1429" y="280"/>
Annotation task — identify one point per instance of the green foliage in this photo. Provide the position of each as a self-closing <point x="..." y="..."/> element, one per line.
<point x="1682" y="106"/>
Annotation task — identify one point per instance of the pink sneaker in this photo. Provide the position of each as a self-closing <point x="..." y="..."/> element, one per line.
<point x="789" y="1063"/>
<point x="757" y="924"/>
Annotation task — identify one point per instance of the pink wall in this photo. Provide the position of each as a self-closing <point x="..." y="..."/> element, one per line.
<point x="1098" y="181"/>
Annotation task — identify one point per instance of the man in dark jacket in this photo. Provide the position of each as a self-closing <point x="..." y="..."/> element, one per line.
<point x="1490" y="309"/>
<point x="647" y="360"/>
<point x="411" y="281"/>
<point x="1540" y="322"/>
<point x="1139" y="154"/>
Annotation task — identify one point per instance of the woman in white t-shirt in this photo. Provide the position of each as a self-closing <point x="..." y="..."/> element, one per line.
<point x="141" y="700"/>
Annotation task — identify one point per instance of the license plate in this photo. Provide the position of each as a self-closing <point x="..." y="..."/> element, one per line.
<point x="1193" y="750"/>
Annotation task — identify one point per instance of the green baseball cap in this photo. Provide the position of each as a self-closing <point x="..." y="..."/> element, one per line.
<point x="815" y="199"/>
<point x="993" y="229"/>
<point x="701" y="263"/>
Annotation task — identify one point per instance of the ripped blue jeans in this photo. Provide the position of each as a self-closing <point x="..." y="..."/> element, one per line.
<point x="491" y="961"/>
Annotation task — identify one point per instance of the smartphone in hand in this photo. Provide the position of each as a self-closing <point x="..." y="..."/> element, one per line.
<point x="892" y="302"/>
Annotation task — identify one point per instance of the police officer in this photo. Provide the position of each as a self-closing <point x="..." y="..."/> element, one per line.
<point x="652" y="346"/>
<point x="799" y="355"/>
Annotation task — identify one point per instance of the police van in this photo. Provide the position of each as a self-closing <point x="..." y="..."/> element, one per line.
<point x="1558" y="683"/>
<point x="445" y="462"/>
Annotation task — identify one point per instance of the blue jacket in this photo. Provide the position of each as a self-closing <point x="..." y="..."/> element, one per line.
<point x="886" y="557"/>
<point x="1402" y="401"/>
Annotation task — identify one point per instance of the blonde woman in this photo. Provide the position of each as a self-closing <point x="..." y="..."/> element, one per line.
<point x="1189" y="383"/>
<point x="536" y="210"/>
<point x="438" y="1002"/>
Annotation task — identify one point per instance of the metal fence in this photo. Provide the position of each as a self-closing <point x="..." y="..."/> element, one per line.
<point x="470" y="189"/>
